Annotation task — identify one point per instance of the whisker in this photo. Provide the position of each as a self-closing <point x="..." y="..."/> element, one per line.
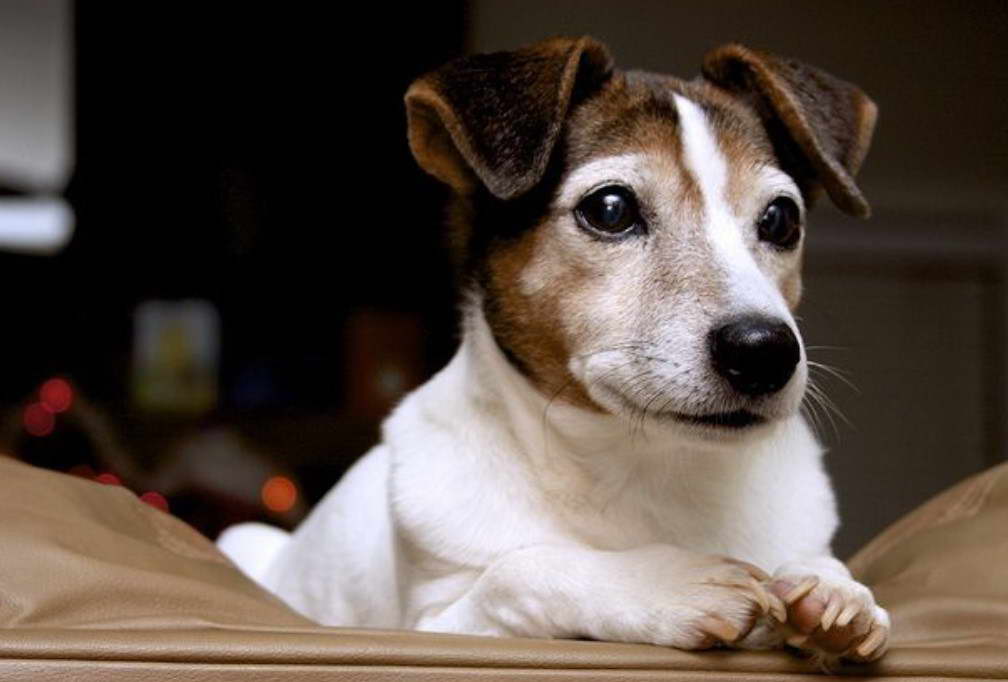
<point x="817" y="396"/>
<point x="834" y="372"/>
<point x="814" y="411"/>
<point x="812" y="417"/>
<point x="835" y="409"/>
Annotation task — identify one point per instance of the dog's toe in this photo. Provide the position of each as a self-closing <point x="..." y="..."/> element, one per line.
<point x="832" y="619"/>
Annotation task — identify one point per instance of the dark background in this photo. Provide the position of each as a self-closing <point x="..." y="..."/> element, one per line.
<point x="255" y="157"/>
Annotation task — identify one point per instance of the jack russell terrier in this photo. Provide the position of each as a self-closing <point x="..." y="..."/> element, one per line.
<point x="616" y="451"/>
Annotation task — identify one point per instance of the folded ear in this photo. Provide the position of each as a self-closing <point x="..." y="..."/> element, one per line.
<point x="820" y="126"/>
<point x="496" y="117"/>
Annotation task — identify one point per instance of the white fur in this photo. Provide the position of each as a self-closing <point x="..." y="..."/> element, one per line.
<point x="253" y="546"/>
<point x="474" y="467"/>
<point x="490" y="509"/>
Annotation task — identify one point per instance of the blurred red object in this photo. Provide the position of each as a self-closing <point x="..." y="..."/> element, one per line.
<point x="156" y="499"/>
<point x="57" y="395"/>
<point x="38" y="420"/>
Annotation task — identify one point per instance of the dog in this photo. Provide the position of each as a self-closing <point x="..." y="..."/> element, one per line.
<point x="616" y="451"/>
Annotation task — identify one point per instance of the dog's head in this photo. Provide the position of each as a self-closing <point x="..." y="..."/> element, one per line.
<point x="636" y="240"/>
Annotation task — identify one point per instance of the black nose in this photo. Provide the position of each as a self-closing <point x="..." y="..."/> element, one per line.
<point x="757" y="355"/>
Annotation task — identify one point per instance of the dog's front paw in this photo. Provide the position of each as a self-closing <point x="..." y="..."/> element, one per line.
<point x="832" y="617"/>
<point x="712" y="601"/>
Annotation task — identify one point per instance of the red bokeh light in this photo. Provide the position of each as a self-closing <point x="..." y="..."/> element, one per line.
<point x="38" y="420"/>
<point x="57" y="395"/>
<point x="82" y="470"/>
<point x="279" y="494"/>
<point x="108" y="478"/>
<point x="155" y="499"/>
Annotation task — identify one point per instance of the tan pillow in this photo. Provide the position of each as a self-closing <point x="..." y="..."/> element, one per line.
<point x="95" y="584"/>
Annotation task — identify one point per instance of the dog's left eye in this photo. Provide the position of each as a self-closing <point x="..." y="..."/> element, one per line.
<point x="781" y="223"/>
<point x="611" y="210"/>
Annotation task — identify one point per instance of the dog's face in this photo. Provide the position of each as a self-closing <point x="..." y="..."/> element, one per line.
<point x="649" y="265"/>
<point x="668" y="225"/>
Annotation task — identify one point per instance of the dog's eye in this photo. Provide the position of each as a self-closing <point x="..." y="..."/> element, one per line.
<point x="611" y="210"/>
<point x="781" y="223"/>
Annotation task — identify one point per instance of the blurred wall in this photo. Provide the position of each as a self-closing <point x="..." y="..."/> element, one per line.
<point x="910" y="306"/>
<point x="35" y="109"/>
<point x="250" y="157"/>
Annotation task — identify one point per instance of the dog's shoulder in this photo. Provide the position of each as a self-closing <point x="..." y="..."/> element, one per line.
<point x="458" y="488"/>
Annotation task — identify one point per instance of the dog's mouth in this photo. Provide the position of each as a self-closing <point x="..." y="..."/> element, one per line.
<point x="735" y="420"/>
<point x="739" y="419"/>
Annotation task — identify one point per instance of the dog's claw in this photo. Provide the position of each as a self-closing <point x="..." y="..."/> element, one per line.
<point x="800" y="590"/>
<point x="831" y="612"/>
<point x="752" y="569"/>
<point x="721" y="629"/>
<point x="760" y="594"/>
<point x="777" y="608"/>
<point x="871" y="642"/>
<point x="847" y="615"/>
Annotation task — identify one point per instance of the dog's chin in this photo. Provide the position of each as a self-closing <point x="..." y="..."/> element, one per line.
<point x="728" y="425"/>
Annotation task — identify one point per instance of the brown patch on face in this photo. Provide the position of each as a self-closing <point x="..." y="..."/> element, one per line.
<point x="635" y="113"/>
<point x="527" y="329"/>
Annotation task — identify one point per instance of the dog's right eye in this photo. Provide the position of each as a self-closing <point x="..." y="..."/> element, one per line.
<point x="780" y="223"/>
<point x="611" y="210"/>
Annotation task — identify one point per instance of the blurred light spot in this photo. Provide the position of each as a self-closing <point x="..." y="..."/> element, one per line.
<point x="35" y="225"/>
<point x="57" y="395"/>
<point x="279" y="493"/>
<point x="82" y="470"/>
<point x="108" y="478"/>
<point x="391" y="382"/>
<point x="38" y="420"/>
<point x="155" y="499"/>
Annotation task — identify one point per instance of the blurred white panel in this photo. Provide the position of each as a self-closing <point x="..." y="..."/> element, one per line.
<point x="37" y="225"/>
<point x="36" y="146"/>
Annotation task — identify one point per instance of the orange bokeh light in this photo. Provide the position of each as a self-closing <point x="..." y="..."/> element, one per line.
<point x="279" y="494"/>
<point x="56" y="394"/>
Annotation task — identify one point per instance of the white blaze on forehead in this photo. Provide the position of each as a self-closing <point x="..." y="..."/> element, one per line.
<point x="750" y="288"/>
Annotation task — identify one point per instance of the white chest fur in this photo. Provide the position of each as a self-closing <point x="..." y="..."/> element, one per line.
<point x="481" y="465"/>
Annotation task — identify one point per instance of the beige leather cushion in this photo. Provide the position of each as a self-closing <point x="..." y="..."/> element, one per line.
<point x="96" y="585"/>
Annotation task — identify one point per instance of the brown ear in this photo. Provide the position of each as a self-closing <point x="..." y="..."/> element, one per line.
<point x="820" y="126"/>
<point x="497" y="117"/>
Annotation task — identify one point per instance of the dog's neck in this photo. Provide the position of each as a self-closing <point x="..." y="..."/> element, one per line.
<point x="607" y="480"/>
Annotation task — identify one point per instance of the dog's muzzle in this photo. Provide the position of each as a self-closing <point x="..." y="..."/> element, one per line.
<point x="757" y="355"/>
